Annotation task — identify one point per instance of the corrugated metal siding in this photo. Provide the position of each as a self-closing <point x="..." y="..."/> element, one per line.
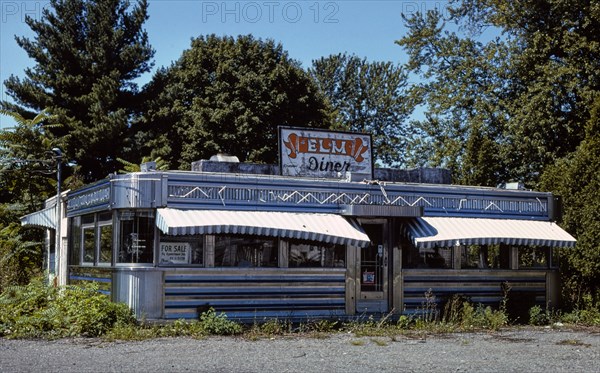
<point x="483" y="287"/>
<point x="256" y="294"/>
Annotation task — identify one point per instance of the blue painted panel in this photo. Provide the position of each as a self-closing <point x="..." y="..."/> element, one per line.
<point x="240" y="294"/>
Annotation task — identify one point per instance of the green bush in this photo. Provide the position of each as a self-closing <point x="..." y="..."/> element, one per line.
<point x="538" y="316"/>
<point x="40" y="311"/>
<point x="218" y="324"/>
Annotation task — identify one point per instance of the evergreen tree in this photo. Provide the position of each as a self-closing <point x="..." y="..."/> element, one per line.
<point x="227" y="95"/>
<point x="87" y="55"/>
<point x="368" y="97"/>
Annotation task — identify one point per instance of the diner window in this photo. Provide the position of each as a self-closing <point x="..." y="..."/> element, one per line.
<point x="475" y="257"/>
<point x="315" y="255"/>
<point x="498" y="256"/>
<point x="88" y="238"/>
<point x="89" y="244"/>
<point x="75" y="240"/>
<point x="554" y="257"/>
<point x="533" y="257"/>
<point x="105" y="234"/>
<point x="136" y="237"/>
<point x="245" y="251"/>
<point x="181" y="250"/>
<point x="436" y="257"/>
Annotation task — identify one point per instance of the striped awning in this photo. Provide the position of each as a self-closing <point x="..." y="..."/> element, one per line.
<point x="427" y="232"/>
<point x="45" y="218"/>
<point x="328" y="228"/>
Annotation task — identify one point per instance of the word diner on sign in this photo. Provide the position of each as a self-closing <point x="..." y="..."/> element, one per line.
<point x="320" y="153"/>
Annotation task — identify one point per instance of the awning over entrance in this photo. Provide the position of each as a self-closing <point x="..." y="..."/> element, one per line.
<point x="427" y="232"/>
<point x="45" y="218"/>
<point x="328" y="228"/>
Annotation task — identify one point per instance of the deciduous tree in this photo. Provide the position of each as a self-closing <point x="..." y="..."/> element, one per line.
<point x="368" y="97"/>
<point x="227" y="95"/>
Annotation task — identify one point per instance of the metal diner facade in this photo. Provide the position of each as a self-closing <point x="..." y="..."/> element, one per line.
<point x="170" y="244"/>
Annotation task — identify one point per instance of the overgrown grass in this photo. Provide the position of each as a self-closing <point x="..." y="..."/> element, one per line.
<point x="40" y="311"/>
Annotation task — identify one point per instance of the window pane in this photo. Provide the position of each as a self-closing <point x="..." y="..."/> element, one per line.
<point x="89" y="244"/>
<point x="498" y="256"/>
<point x="477" y="257"/>
<point x="315" y="254"/>
<point x="177" y="250"/>
<point x="136" y="241"/>
<point x="437" y="257"/>
<point x="75" y="241"/>
<point x="554" y="257"/>
<point x="533" y="257"/>
<point x="106" y="244"/>
<point x="245" y="251"/>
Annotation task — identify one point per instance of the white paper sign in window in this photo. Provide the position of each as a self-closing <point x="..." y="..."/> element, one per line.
<point x="175" y="252"/>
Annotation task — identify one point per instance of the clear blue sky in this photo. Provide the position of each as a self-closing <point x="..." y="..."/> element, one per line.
<point x="307" y="29"/>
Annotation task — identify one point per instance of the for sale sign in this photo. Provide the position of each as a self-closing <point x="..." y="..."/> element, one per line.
<point x="316" y="153"/>
<point x="175" y="252"/>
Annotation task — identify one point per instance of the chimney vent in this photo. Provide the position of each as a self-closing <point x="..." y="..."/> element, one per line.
<point x="222" y="157"/>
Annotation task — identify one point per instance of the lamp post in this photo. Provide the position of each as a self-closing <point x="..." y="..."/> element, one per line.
<point x="57" y="241"/>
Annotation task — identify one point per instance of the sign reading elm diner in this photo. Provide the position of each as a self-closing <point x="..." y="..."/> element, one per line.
<point x="316" y="153"/>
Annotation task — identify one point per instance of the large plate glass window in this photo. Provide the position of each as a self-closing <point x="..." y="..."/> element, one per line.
<point x="435" y="257"/>
<point x="245" y="251"/>
<point x="533" y="257"/>
<point x="75" y="241"/>
<point x="316" y="255"/>
<point x="136" y="237"/>
<point x="181" y="250"/>
<point x="88" y="237"/>
<point x="105" y="229"/>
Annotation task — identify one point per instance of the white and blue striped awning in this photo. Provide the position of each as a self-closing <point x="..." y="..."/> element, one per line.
<point x="45" y="218"/>
<point x="329" y="228"/>
<point x="427" y="232"/>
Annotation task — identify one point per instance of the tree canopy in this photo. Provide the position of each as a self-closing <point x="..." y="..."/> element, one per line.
<point x="227" y="95"/>
<point x="521" y="106"/>
<point x="368" y="97"/>
<point x="26" y="180"/>
<point x="87" y="55"/>
<point x="526" y="92"/>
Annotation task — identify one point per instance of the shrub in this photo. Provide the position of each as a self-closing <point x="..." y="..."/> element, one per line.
<point x="538" y="316"/>
<point x="218" y="324"/>
<point x="37" y="310"/>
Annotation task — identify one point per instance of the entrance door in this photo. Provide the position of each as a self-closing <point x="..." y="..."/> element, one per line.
<point x="373" y="275"/>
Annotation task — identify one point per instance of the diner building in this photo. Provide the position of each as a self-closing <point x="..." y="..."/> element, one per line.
<point x="275" y="241"/>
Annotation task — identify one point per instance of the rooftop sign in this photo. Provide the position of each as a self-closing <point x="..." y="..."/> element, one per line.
<point x="318" y="153"/>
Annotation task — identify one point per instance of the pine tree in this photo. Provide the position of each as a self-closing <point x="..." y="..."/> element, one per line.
<point x="87" y="55"/>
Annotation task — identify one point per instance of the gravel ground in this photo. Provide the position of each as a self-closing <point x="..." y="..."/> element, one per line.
<point x="514" y="350"/>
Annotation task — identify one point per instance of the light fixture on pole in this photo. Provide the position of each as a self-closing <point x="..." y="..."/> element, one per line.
<point x="57" y="241"/>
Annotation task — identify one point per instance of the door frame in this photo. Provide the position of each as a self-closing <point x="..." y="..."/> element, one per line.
<point x="374" y="301"/>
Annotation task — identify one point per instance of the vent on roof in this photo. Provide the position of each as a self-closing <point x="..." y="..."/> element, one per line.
<point x="222" y="157"/>
<point x="148" y="166"/>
